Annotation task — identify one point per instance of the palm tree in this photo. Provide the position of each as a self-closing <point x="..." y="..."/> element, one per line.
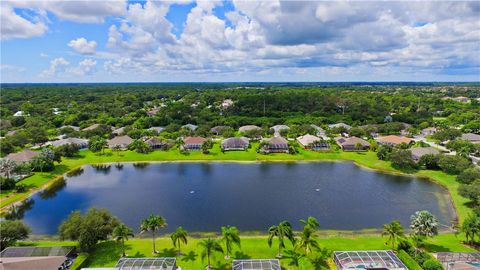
<point x="294" y="257"/>
<point x="152" y="224"/>
<point x="209" y="246"/>
<point x="282" y="230"/>
<point x="121" y="233"/>
<point x="471" y="227"/>
<point x="423" y="223"/>
<point x="310" y="222"/>
<point x="179" y="236"/>
<point x="393" y="230"/>
<point x="307" y="240"/>
<point x="230" y="236"/>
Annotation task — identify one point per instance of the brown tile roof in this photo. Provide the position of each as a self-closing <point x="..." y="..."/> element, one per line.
<point x="154" y="141"/>
<point x="352" y="141"/>
<point x="120" y="140"/>
<point x="394" y="139"/>
<point x="194" y="140"/>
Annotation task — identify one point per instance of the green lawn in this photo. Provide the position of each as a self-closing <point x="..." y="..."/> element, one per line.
<point x="107" y="253"/>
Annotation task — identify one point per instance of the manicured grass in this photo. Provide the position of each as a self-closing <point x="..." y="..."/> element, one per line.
<point x="108" y="253"/>
<point x="364" y="159"/>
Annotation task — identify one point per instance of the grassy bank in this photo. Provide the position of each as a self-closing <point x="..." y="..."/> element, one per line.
<point x="107" y="253"/>
<point x="369" y="160"/>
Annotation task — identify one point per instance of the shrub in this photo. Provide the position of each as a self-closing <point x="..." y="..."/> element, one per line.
<point x="453" y="164"/>
<point x="429" y="161"/>
<point x="432" y="264"/>
<point x="402" y="159"/>
<point x="409" y="262"/>
<point x="12" y="231"/>
<point x="469" y="175"/>
<point x="7" y="183"/>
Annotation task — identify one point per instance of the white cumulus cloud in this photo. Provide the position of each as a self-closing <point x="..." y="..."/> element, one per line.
<point x="83" y="46"/>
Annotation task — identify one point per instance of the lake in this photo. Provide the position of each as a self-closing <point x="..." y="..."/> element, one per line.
<point x="251" y="196"/>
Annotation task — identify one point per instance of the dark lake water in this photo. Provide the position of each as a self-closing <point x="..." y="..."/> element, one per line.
<point x="253" y="196"/>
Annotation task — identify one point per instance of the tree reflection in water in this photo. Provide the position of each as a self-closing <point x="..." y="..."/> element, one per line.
<point x="17" y="211"/>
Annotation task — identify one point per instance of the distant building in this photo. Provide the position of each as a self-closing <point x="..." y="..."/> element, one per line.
<point x="340" y="125"/>
<point x="276" y="145"/>
<point x="121" y="142"/>
<point x="24" y="156"/>
<point x="353" y="144"/>
<point x="218" y="129"/>
<point x="235" y="144"/>
<point x="419" y="152"/>
<point x="157" y="129"/>
<point x="56" y="111"/>
<point x="247" y="128"/>
<point x="278" y="128"/>
<point x="91" y="127"/>
<point x="393" y="140"/>
<point x="119" y="131"/>
<point x="429" y="131"/>
<point x="320" y="131"/>
<point x="193" y="143"/>
<point x="227" y="103"/>
<point x="72" y="127"/>
<point x="190" y="126"/>
<point x="471" y="137"/>
<point x="20" y="113"/>
<point x="152" y="112"/>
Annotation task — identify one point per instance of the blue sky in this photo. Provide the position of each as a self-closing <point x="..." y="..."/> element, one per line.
<point x="275" y="40"/>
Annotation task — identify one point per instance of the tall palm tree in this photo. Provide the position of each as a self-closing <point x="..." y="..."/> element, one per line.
<point x="471" y="227"/>
<point x="307" y="240"/>
<point x="393" y="231"/>
<point x="121" y="233"/>
<point x="310" y="222"/>
<point x="179" y="236"/>
<point x="209" y="247"/>
<point x="281" y="231"/>
<point x="152" y="224"/>
<point x="230" y="236"/>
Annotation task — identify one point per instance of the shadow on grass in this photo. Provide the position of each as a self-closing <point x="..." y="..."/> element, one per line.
<point x="241" y="255"/>
<point x="436" y="248"/>
<point x="167" y="252"/>
<point x="106" y="254"/>
<point x="190" y="256"/>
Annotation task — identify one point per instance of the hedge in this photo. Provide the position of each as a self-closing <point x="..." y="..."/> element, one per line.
<point x="409" y="262"/>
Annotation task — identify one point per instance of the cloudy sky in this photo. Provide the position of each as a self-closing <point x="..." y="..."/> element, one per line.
<point x="275" y="40"/>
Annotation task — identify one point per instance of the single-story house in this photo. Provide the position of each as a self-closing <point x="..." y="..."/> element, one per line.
<point x="121" y="142"/>
<point x="340" y="125"/>
<point x="193" y="143"/>
<point x="155" y="143"/>
<point x="91" y="127"/>
<point x="320" y="131"/>
<point x="278" y="128"/>
<point x="352" y="143"/>
<point x="394" y="140"/>
<point x="37" y="258"/>
<point x="418" y="152"/>
<point x="429" y="131"/>
<point x="190" y="126"/>
<point x="276" y="145"/>
<point x="24" y="156"/>
<point x="218" y="129"/>
<point x="157" y="129"/>
<point x="247" y="128"/>
<point x="119" y="131"/>
<point x="313" y="142"/>
<point x="471" y="137"/>
<point x="81" y="143"/>
<point x="235" y="143"/>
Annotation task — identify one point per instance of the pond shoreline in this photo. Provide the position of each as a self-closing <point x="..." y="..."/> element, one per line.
<point x="451" y="201"/>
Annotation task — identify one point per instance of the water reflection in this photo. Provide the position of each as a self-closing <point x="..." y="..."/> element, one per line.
<point x="76" y="172"/>
<point x="102" y="168"/>
<point x="141" y="165"/>
<point x="52" y="190"/>
<point x="17" y="211"/>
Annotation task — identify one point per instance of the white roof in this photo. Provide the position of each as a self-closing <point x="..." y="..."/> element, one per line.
<point x="307" y="139"/>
